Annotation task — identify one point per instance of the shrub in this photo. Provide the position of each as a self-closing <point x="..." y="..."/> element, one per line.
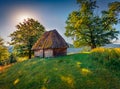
<point x="4" y="55"/>
<point x="113" y="64"/>
<point x="12" y="58"/>
<point x="110" y="57"/>
<point x="85" y="49"/>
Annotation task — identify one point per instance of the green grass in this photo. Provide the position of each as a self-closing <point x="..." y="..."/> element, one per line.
<point x="76" y="71"/>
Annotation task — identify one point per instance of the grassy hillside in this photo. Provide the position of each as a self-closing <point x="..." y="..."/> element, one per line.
<point x="75" y="71"/>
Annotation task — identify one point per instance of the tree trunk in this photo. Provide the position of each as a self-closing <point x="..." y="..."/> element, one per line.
<point x="92" y="40"/>
<point x="29" y="47"/>
<point x="43" y="53"/>
<point x="93" y="46"/>
<point x="30" y="53"/>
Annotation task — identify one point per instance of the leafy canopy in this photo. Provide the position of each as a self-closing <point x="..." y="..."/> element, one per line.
<point x="88" y="29"/>
<point x="26" y="35"/>
<point x="4" y="54"/>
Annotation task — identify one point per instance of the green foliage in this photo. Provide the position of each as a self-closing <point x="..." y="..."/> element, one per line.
<point x="88" y="29"/>
<point x="12" y="58"/>
<point x="85" y="49"/>
<point x="20" y="50"/>
<point x="75" y="71"/>
<point x="108" y="57"/>
<point x="114" y="64"/>
<point x="4" y="54"/>
<point x="26" y="35"/>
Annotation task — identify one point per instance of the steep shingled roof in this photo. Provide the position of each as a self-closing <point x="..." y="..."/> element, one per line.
<point x="50" y="39"/>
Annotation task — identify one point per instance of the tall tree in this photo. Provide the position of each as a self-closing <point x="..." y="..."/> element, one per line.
<point x="88" y="29"/>
<point x="26" y="35"/>
<point x="4" y="54"/>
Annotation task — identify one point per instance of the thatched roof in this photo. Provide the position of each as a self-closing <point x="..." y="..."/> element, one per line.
<point x="50" y="39"/>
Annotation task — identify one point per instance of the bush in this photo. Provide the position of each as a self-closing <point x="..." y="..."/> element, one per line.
<point x="113" y="64"/>
<point x="85" y="49"/>
<point x="4" y="55"/>
<point x="5" y="62"/>
<point x="110" y="57"/>
<point x="12" y="58"/>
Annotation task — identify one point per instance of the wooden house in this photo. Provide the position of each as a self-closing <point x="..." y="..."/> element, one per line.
<point x="50" y="44"/>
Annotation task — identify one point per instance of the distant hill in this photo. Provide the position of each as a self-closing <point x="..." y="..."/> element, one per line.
<point x="116" y="42"/>
<point x="112" y="46"/>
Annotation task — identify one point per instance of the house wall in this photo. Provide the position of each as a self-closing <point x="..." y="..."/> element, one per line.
<point x="60" y="51"/>
<point x="38" y="53"/>
<point x="48" y="52"/>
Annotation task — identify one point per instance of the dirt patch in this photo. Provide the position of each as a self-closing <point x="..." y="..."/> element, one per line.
<point x="2" y="68"/>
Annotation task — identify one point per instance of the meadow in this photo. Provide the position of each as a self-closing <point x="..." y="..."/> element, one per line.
<point x="75" y="71"/>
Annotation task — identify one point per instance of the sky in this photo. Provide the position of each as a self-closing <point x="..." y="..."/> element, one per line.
<point x="52" y="14"/>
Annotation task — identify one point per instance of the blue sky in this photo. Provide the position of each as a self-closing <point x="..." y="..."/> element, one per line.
<point x="50" y="13"/>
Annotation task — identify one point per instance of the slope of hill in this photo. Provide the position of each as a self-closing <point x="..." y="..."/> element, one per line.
<point x="75" y="71"/>
<point x="112" y="46"/>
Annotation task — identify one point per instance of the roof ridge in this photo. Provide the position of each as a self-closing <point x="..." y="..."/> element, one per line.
<point x="50" y="39"/>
